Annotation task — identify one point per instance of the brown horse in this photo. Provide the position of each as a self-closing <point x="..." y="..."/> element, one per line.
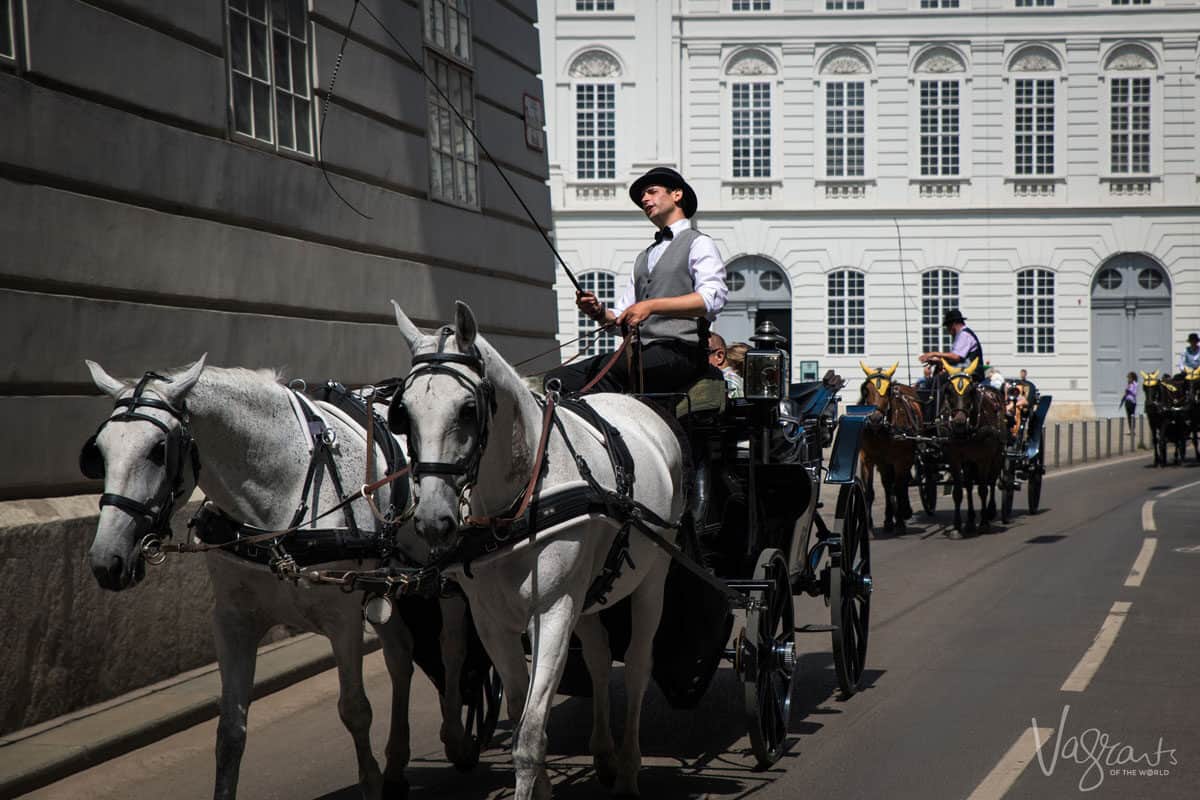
<point x="1168" y="415"/>
<point x="971" y="424"/>
<point x="897" y="411"/>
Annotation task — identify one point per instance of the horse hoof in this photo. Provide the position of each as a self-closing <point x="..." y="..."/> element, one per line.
<point x="395" y="789"/>
<point x="901" y="528"/>
<point x="888" y="527"/>
<point x="954" y="533"/>
<point x="606" y="770"/>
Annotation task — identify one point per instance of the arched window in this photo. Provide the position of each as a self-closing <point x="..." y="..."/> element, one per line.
<point x="603" y="285"/>
<point x="939" y="294"/>
<point x="1130" y="71"/>
<point x="750" y="75"/>
<point x="847" y="319"/>
<point x="1035" y="311"/>
<point x="1035" y="72"/>
<point x="940" y="86"/>
<point x="594" y="74"/>
<point x="845" y="77"/>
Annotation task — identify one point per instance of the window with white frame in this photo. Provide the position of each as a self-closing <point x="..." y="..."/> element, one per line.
<point x="939" y="294"/>
<point x="8" y="32"/>
<point x="595" y="131"/>
<point x="453" y="161"/>
<point x="269" y="72"/>
<point x="751" y="5"/>
<point x="604" y="286"/>
<point x="845" y="5"/>
<point x="1129" y="125"/>
<point x="1131" y="2"/>
<point x="751" y="129"/>
<point x="595" y="5"/>
<point x="1033" y="126"/>
<point x="1034" y="3"/>
<point x="939" y="3"/>
<point x="939" y="127"/>
<point x="847" y="313"/>
<point x="845" y="129"/>
<point x="1035" y="311"/>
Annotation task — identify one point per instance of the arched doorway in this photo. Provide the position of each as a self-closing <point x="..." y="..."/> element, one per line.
<point x="758" y="291"/>
<point x="1131" y="324"/>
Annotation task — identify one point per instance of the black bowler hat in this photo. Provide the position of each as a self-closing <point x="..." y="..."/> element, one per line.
<point x="668" y="179"/>
<point x="953" y="316"/>
<point x="1193" y="337"/>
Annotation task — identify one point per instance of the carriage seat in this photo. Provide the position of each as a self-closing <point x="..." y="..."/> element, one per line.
<point x="810" y="398"/>
<point x="707" y="394"/>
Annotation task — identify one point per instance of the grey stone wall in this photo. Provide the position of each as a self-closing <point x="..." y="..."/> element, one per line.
<point x="138" y="231"/>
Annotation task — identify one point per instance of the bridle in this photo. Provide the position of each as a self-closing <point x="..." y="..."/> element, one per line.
<point x="960" y="384"/>
<point x="178" y="450"/>
<point x="464" y="472"/>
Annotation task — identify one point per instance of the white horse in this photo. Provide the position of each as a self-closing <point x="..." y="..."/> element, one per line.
<point x="254" y="455"/>
<point x="539" y="585"/>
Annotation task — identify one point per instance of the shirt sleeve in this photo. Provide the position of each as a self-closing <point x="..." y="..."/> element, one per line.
<point x="962" y="344"/>
<point x="708" y="275"/>
<point x="625" y="300"/>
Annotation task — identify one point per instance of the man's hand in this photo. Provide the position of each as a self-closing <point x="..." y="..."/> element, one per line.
<point x="928" y="358"/>
<point x="589" y="305"/>
<point x="636" y="314"/>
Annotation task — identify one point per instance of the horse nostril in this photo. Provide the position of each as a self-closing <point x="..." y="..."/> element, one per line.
<point x="108" y="575"/>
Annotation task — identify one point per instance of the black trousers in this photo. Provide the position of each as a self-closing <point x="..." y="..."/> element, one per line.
<point x="669" y="366"/>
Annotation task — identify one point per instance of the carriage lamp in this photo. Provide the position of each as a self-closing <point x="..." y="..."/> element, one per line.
<point x="767" y="370"/>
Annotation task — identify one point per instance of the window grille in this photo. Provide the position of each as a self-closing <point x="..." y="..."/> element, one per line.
<point x="1130" y="125"/>
<point x="269" y="72"/>
<point x="453" y="160"/>
<point x="751" y="130"/>
<point x="939" y="127"/>
<point x="595" y="131"/>
<point x="939" y="294"/>
<point x="847" y="309"/>
<point x="603" y="285"/>
<point x="751" y="5"/>
<point x="8" y="29"/>
<point x="594" y="5"/>
<point x="845" y="5"/>
<point x="1035" y="311"/>
<point x="845" y="129"/>
<point x="1034" y="126"/>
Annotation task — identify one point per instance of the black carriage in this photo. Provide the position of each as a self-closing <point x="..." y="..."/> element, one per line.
<point x="753" y="539"/>
<point x="1023" y="456"/>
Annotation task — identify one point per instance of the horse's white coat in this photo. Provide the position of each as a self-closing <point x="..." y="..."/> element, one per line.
<point x="254" y="454"/>
<point x="540" y="588"/>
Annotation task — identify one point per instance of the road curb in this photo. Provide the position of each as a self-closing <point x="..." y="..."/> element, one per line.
<point x="42" y="754"/>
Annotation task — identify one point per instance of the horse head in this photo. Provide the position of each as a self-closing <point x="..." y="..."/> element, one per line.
<point x="960" y="396"/>
<point x="144" y="453"/>
<point x="1191" y="383"/>
<point x="876" y="391"/>
<point x="445" y="408"/>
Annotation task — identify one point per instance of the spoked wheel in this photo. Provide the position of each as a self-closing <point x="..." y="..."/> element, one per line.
<point x="767" y="659"/>
<point x="1008" y="487"/>
<point x="482" y="693"/>
<point x="929" y="489"/>
<point x="850" y="589"/>
<point x="1033" y="486"/>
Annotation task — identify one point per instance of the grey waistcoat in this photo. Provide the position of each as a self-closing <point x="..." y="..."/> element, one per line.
<point x="670" y="278"/>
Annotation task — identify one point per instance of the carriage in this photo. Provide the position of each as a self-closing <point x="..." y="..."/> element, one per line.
<point x="1023" y="456"/>
<point x="753" y="539"/>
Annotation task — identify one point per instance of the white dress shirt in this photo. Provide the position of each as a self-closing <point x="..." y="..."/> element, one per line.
<point x="704" y="265"/>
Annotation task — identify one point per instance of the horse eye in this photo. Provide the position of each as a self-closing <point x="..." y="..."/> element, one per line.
<point x="158" y="454"/>
<point x="467" y="412"/>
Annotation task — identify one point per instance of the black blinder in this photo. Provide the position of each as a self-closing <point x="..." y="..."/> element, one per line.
<point x="397" y="418"/>
<point x="91" y="461"/>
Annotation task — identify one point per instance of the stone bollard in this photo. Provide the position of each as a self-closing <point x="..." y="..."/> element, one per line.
<point x="1057" y="443"/>
<point x="1070" y="443"/>
<point x="1108" y="438"/>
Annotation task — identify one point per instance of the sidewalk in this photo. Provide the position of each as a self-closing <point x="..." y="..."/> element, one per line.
<point x="44" y="753"/>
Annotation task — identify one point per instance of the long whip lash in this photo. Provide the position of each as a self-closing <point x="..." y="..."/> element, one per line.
<point x="450" y="104"/>
<point x="325" y="111"/>
<point x="904" y="300"/>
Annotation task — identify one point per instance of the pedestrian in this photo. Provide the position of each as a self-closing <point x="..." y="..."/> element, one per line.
<point x="718" y="356"/>
<point x="735" y="354"/>
<point x="1129" y="401"/>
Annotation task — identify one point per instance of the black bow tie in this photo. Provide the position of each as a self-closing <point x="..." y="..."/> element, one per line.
<point x="664" y="233"/>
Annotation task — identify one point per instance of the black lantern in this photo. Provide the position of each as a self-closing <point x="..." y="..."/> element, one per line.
<point x="767" y="371"/>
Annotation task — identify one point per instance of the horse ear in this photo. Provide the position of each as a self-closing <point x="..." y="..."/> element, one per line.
<point x="465" y="327"/>
<point x="412" y="335"/>
<point x="892" y="370"/>
<point x="183" y="383"/>
<point x="105" y="382"/>
<point x="1155" y="374"/>
<point x="951" y="369"/>
<point x="866" y="370"/>
<point x="1145" y="376"/>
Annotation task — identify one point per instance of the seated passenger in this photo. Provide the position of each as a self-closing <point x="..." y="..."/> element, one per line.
<point x="676" y="290"/>
<point x="718" y="356"/>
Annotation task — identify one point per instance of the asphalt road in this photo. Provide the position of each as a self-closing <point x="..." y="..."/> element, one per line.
<point x="1045" y="624"/>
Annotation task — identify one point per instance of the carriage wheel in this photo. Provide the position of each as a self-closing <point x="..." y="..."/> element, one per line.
<point x="1008" y="487"/>
<point x="850" y="589"/>
<point x="768" y="659"/>
<point x="482" y="694"/>
<point x="1033" y="486"/>
<point x="929" y="489"/>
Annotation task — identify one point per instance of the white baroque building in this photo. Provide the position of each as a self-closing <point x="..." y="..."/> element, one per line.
<point x="865" y="164"/>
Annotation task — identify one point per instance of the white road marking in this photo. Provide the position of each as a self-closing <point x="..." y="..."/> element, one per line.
<point x="1110" y="462"/>
<point x="1178" y="489"/>
<point x="1148" y="516"/>
<point x="1142" y="562"/>
<point x="1087" y="667"/>
<point x="1005" y="774"/>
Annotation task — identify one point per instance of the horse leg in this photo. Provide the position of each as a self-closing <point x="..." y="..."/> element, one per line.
<point x="986" y="511"/>
<point x="887" y="480"/>
<point x="550" y="634"/>
<point x="958" y="496"/>
<point x="397" y="645"/>
<point x="353" y="706"/>
<point x="646" y="608"/>
<point x="453" y="642"/>
<point x="598" y="656"/>
<point x="969" y="480"/>
<point x="236" y="636"/>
